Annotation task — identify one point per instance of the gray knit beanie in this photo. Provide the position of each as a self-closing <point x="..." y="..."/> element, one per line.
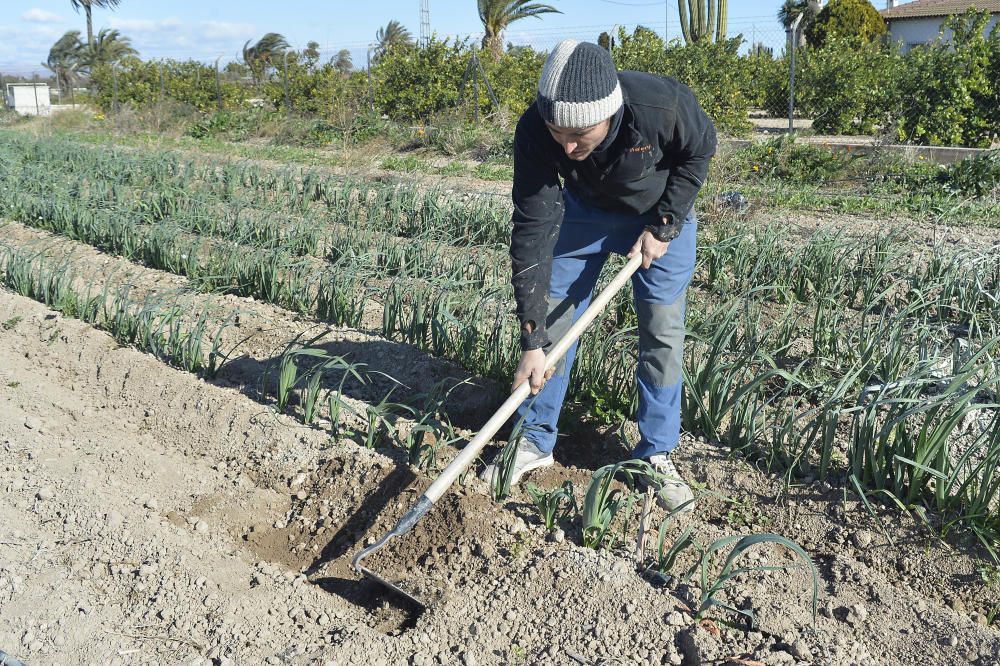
<point x="579" y="85"/>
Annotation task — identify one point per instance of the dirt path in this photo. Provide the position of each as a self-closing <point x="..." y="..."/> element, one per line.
<point x="150" y="517"/>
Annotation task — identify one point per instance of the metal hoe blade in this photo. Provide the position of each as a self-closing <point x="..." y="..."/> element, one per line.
<point x="404" y="525"/>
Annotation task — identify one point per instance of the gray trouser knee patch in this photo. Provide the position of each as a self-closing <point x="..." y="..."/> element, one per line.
<point x="558" y="321"/>
<point x="661" y="341"/>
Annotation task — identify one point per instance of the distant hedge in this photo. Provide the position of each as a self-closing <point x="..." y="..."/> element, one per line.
<point x="944" y="93"/>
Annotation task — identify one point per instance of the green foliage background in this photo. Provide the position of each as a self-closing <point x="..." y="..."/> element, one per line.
<point x="945" y="93"/>
<point x="187" y="81"/>
<point x="719" y="77"/>
<point x="950" y="91"/>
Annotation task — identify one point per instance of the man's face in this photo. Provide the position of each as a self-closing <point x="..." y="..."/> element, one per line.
<point x="580" y="142"/>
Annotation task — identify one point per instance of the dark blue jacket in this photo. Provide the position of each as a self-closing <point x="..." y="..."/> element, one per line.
<point x="657" y="160"/>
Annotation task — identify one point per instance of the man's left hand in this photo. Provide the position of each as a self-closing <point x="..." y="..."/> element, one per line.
<point x="650" y="248"/>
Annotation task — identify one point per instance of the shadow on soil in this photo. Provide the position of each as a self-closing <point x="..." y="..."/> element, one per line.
<point x="400" y="373"/>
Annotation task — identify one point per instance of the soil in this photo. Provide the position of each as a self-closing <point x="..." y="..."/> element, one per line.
<point x="148" y="516"/>
<point x="152" y="517"/>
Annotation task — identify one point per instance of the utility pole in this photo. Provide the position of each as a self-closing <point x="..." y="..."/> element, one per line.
<point x="666" y="24"/>
<point x="425" y="22"/>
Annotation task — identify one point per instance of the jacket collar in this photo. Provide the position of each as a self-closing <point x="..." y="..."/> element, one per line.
<point x="616" y="123"/>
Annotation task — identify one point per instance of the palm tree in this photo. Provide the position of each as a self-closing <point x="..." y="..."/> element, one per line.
<point x="109" y="47"/>
<point x="391" y="36"/>
<point x="496" y="15"/>
<point x="260" y="56"/>
<point x="87" y="6"/>
<point x="66" y="59"/>
<point x="343" y="63"/>
<point x="791" y="10"/>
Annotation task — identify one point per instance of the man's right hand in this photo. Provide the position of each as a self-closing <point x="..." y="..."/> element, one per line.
<point x="532" y="369"/>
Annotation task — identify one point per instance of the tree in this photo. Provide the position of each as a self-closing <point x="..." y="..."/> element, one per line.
<point x="605" y="41"/>
<point x="88" y="5"/>
<point x="311" y="54"/>
<point x="109" y="47"/>
<point x="496" y="15"/>
<point x="66" y="59"/>
<point x="791" y="10"/>
<point x="343" y="62"/>
<point x="261" y="55"/>
<point x="391" y="36"/>
<point x="706" y="21"/>
<point x="846" y="18"/>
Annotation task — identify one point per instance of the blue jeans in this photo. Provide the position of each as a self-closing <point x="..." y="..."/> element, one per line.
<point x="587" y="237"/>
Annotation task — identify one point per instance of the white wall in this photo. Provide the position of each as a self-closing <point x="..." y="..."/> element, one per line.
<point x="912" y="32"/>
<point x="22" y="98"/>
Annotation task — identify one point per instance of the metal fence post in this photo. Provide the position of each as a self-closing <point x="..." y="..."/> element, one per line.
<point x="288" y="101"/>
<point x="368" y="69"/>
<point x="34" y="87"/>
<point x="161" y="80"/>
<point x="114" y="88"/>
<point x="218" y="84"/>
<point x="792" y="43"/>
<point x="475" y="87"/>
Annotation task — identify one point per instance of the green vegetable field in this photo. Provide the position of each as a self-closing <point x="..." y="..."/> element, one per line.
<point x="841" y="412"/>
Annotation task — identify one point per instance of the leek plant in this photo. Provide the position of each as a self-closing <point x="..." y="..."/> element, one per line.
<point x="711" y="584"/>
<point x="555" y="504"/>
<point x="603" y="500"/>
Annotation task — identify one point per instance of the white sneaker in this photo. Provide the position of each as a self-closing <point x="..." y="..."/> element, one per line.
<point x="673" y="494"/>
<point x="527" y="458"/>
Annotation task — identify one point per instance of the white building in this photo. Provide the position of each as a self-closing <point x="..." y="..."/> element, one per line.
<point x="31" y="99"/>
<point x="919" y="22"/>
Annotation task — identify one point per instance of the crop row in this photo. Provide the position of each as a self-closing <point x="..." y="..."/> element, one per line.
<point x="400" y="208"/>
<point x="854" y="360"/>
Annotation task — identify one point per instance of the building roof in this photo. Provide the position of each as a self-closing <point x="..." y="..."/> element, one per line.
<point x="921" y="8"/>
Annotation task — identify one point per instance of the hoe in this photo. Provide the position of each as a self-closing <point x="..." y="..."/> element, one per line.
<point x="471" y="451"/>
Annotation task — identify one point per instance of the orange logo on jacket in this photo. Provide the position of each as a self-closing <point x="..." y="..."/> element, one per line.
<point x="641" y="149"/>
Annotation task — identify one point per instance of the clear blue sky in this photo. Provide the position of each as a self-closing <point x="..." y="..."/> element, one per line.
<point x="205" y="30"/>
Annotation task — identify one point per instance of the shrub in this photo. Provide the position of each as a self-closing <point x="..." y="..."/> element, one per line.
<point x="515" y="78"/>
<point x="847" y="86"/>
<point x="232" y="125"/>
<point x="312" y="90"/>
<point x="857" y="19"/>
<point x="189" y="82"/>
<point x="788" y="160"/>
<point x="450" y="133"/>
<point x="413" y="83"/>
<point x="714" y="71"/>
<point x="946" y="93"/>
<point x="766" y="83"/>
<point x="977" y="176"/>
<point x="10" y="117"/>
